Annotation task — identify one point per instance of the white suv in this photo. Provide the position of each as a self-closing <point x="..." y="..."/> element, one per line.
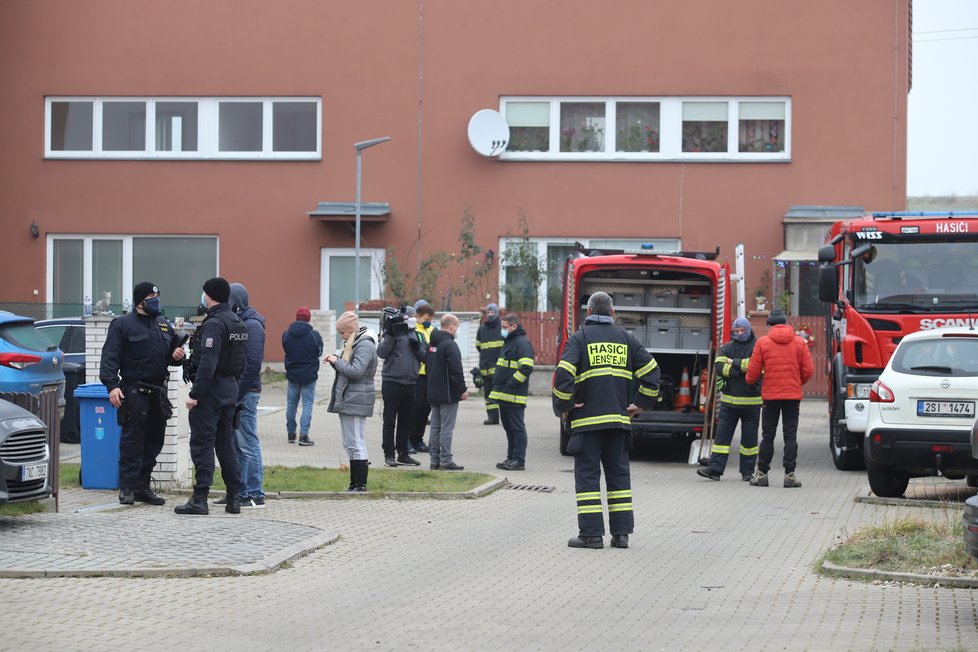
<point x="921" y="411"/>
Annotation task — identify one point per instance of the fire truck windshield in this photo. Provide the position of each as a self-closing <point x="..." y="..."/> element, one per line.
<point x="917" y="277"/>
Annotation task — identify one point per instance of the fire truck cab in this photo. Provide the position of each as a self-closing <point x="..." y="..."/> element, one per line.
<point x="884" y="276"/>
<point x="677" y="304"/>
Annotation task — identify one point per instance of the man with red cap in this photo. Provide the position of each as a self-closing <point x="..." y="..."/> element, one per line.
<point x="303" y="347"/>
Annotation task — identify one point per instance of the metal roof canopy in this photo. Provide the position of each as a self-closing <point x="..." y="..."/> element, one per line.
<point x="345" y="211"/>
<point x="805" y="228"/>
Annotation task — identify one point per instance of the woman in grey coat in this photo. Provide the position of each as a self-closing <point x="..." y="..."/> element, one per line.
<point x="353" y="393"/>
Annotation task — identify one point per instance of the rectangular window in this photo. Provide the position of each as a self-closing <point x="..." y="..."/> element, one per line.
<point x="704" y="126"/>
<point x="637" y="127"/>
<point x="71" y="126"/>
<point x="582" y="126"/>
<point x="84" y="265"/>
<point x="531" y="270"/>
<point x="294" y="127"/>
<point x="761" y="127"/>
<point x="529" y="126"/>
<point x="240" y="127"/>
<point x="176" y="126"/>
<point x="123" y="126"/>
<point x="714" y="129"/>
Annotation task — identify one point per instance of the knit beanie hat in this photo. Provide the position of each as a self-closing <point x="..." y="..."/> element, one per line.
<point x="348" y="322"/>
<point x="303" y="314"/>
<point x="419" y="303"/>
<point x="143" y="290"/>
<point x="776" y="317"/>
<point x="493" y="308"/>
<point x="218" y="289"/>
<point x="742" y="322"/>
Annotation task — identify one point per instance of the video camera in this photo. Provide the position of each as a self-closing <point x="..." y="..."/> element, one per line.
<point x="393" y="321"/>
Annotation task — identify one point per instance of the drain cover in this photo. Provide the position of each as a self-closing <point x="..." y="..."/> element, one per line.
<point x="531" y="487"/>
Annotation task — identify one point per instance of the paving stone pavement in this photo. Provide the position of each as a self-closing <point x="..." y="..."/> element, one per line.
<point x="712" y="565"/>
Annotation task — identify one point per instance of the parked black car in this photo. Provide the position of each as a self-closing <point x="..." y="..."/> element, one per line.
<point x="24" y="455"/>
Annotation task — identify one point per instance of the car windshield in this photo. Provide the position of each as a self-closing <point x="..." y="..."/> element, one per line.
<point x="947" y="356"/>
<point x="26" y="336"/>
<point x="917" y="277"/>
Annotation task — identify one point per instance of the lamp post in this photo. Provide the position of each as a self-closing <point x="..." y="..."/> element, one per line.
<point x="359" y="147"/>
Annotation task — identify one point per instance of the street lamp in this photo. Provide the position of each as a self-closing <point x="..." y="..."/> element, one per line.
<point x="359" y="147"/>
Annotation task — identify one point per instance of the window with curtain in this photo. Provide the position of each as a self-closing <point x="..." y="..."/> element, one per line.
<point x="705" y="126"/>
<point x="529" y="126"/>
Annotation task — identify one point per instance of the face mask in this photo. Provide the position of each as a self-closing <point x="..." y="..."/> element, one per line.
<point x="411" y="322"/>
<point x="426" y="324"/>
<point x="152" y="306"/>
<point x="505" y="333"/>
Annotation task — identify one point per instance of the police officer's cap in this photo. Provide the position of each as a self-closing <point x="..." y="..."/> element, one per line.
<point x="143" y="290"/>
<point x="218" y="289"/>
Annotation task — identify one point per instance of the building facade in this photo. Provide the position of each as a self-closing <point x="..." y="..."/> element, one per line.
<point x="172" y="142"/>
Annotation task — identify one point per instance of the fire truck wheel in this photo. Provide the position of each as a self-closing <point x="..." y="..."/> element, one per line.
<point x="847" y="454"/>
<point x="888" y="482"/>
<point x="564" y="440"/>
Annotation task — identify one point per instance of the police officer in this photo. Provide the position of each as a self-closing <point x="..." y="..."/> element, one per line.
<point x="217" y="358"/>
<point x="138" y="350"/>
<point x="592" y="392"/>
<point x="738" y="402"/>
<point x="488" y="341"/>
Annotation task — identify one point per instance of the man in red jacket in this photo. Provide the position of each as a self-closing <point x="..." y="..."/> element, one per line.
<point x="783" y="358"/>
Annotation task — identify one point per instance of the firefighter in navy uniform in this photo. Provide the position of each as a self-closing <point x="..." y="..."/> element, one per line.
<point x="489" y="342"/>
<point x="739" y="402"/>
<point x="592" y="394"/>
<point x="139" y="348"/>
<point x="217" y="358"/>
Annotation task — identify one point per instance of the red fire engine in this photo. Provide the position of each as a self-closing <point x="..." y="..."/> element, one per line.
<point x="887" y="275"/>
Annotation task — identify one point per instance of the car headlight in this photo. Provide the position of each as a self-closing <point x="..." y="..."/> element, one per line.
<point x="858" y="390"/>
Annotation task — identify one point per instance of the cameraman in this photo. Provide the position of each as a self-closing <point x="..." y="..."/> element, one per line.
<point x="402" y="351"/>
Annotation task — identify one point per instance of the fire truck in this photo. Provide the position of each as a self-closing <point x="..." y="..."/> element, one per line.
<point x="884" y="276"/>
<point x="678" y="305"/>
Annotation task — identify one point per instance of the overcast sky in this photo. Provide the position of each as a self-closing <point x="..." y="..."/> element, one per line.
<point x="942" y="143"/>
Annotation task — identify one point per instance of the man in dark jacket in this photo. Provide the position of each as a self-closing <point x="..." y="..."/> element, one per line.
<point x="252" y="493"/>
<point x="786" y="364"/>
<point x="217" y="359"/>
<point x="446" y="387"/>
<point x="738" y="402"/>
<point x="592" y="392"/>
<point x="402" y="350"/>
<point x="510" y="386"/>
<point x="139" y="348"/>
<point x="303" y="346"/>
<point x="489" y="341"/>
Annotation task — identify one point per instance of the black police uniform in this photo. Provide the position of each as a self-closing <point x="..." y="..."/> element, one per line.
<point x="738" y="402"/>
<point x="489" y="342"/>
<point x="217" y="359"/>
<point x="597" y="368"/>
<point x="137" y="353"/>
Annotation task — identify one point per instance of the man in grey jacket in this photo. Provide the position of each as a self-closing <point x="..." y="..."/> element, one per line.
<point x="401" y="348"/>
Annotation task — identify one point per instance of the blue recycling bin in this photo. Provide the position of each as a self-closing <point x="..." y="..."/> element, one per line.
<point x="100" y="434"/>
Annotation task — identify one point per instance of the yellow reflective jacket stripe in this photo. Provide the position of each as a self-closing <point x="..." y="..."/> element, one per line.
<point x="741" y="400"/>
<point x="562" y="395"/>
<point x="645" y="391"/>
<point x="568" y="367"/>
<point x="603" y="371"/>
<point x="508" y="398"/>
<point x="647" y="368"/>
<point x="519" y="377"/>
<point x="600" y="419"/>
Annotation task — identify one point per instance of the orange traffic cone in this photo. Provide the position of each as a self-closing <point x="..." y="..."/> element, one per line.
<point x="683" y="398"/>
<point x="702" y="399"/>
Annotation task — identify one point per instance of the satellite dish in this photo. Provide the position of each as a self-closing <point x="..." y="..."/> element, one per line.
<point x="488" y="132"/>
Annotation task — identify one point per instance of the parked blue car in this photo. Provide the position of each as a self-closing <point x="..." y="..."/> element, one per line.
<point x="29" y="362"/>
<point x="68" y="333"/>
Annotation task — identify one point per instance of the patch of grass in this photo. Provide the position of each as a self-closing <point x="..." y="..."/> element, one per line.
<point x="910" y="545"/>
<point x="20" y="509"/>
<point x="270" y="376"/>
<point x="307" y="478"/>
<point x="69" y="475"/>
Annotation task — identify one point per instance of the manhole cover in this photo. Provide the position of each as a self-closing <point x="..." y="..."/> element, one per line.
<point x="531" y="487"/>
